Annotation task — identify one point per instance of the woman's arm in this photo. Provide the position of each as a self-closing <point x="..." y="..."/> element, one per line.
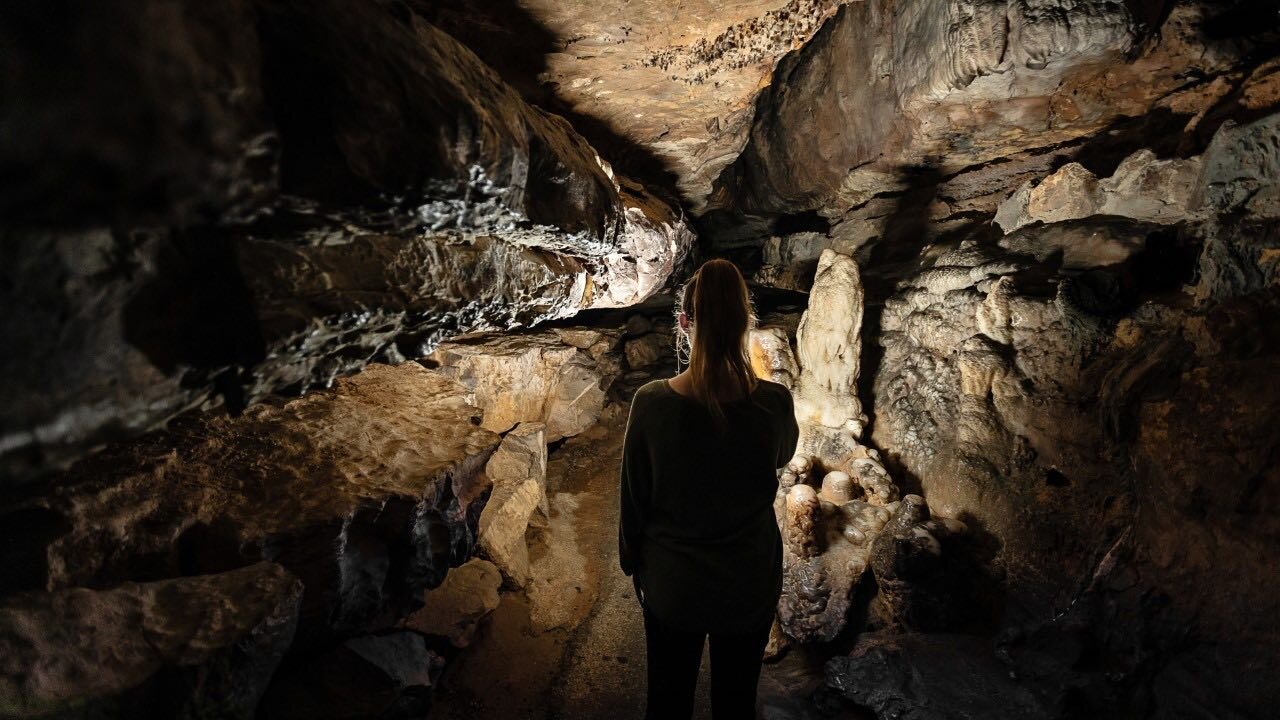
<point x="789" y="431"/>
<point x="635" y="487"/>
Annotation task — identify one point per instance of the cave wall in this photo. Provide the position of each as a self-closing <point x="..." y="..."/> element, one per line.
<point x="902" y="121"/>
<point x="1065" y="218"/>
<point x="208" y="205"/>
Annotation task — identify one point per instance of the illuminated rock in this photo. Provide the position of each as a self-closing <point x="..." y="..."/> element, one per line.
<point x="441" y="203"/>
<point x="771" y="355"/>
<point x="366" y="492"/>
<point x="530" y="377"/>
<point x="829" y="350"/>
<point x="1142" y="188"/>
<point x="455" y="609"/>
<point x="518" y="472"/>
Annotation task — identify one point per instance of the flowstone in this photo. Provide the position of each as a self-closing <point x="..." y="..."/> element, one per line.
<point x="835" y="498"/>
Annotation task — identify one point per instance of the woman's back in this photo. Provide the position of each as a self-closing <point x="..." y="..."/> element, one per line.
<point x="697" y="527"/>
<point x="697" y="503"/>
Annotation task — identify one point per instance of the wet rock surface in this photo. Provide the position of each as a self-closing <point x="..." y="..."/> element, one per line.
<point x="203" y="646"/>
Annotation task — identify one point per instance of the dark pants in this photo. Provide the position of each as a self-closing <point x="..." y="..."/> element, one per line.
<point x="674" y="657"/>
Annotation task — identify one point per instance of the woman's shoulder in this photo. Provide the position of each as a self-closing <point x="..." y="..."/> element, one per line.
<point x="772" y="389"/>
<point x="651" y="392"/>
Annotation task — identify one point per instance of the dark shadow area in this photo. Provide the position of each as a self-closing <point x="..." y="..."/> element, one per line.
<point x="298" y="87"/>
<point x="905" y="233"/>
<point x="24" y="535"/>
<point x="198" y="313"/>
<point x="507" y="37"/>
<point x="809" y="221"/>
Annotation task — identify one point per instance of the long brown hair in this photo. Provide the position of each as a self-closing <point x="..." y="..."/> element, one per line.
<point x="718" y="307"/>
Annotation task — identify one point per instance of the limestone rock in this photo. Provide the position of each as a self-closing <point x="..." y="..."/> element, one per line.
<point x="1083" y="244"/>
<point x="454" y="610"/>
<point x="1142" y="188"/>
<point x="790" y="261"/>
<point x="373" y="676"/>
<point x="891" y="85"/>
<point x="696" y="78"/>
<point x="192" y="647"/>
<point x="443" y="203"/>
<point x="828" y="538"/>
<point x="1242" y="170"/>
<point x="771" y="355"/>
<point x="530" y="377"/>
<point x="914" y="589"/>
<point x="648" y="350"/>
<point x="638" y="325"/>
<point x="1059" y="399"/>
<point x="366" y="492"/>
<point x="829" y="346"/>
<point x="518" y="471"/>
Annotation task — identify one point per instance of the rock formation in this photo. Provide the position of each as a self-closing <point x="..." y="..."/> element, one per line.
<point x="557" y="379"/>
<point x="271" y="271"/>
<point x="355" y="184"/>
<point x="1047" y="405"/>
<point x="367" y="493"/>
<point x="838" y="507"/>
<point x="829" y="348"/>
<point x="191" y="647"/>
<point x="518" y="472"/>
<point x="455" y="609"/>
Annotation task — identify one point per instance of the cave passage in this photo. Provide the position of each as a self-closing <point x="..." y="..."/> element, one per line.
<point x="320" y="321"/>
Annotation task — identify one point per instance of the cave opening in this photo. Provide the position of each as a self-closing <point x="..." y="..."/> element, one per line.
<point x="323" y="323"/>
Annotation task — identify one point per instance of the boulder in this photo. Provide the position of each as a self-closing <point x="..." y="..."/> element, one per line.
<point x="518" y="472"/>
<point x="192" y="647"/>
<point x="528" y="377"/>
<point x="366" y="492"/>
<point x="454" y="610"/>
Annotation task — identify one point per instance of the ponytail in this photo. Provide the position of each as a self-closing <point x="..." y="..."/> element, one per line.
<point x="718" y="307"/>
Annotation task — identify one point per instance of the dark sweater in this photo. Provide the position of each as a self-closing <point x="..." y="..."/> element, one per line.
<point x="697" y="524"/>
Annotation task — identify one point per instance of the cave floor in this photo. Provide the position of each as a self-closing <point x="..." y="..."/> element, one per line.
<point x="571" y="645"/>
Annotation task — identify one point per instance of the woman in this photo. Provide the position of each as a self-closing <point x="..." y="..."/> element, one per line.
<point x="697" y="532"/>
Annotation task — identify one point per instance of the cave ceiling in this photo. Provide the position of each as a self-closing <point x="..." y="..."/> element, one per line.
<point x="663" y="87"/>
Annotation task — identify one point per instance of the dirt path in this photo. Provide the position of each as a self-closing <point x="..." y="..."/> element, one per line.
<point x="571" y="647"/>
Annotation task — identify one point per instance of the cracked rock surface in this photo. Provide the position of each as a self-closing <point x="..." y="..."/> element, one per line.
<point x="367" y="492"/>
